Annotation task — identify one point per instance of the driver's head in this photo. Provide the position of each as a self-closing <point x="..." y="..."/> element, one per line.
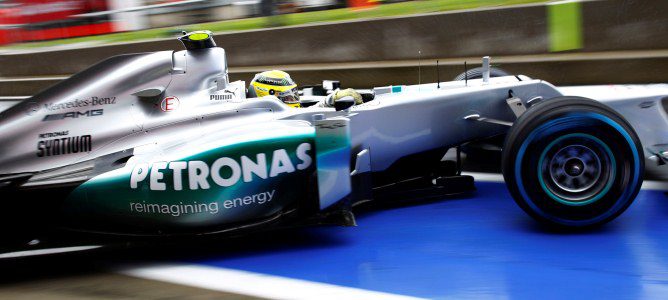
<point x="275" y="83"/>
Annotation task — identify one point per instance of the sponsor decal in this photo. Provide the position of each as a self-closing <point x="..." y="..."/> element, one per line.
<point x="223" y="183"/>
<point x="74" y="115"/>
<point x="65" y="145"/>
<point x="226" y="95"/>
<point x="53" y="134"/>
<point x="80" y="103"/>
<point x="97" y="101"/>
<point x="273" y="81"/>
<point x="223" y="172"/>
<point x="232" y="92"/>
<point x="221" y="97"/>
<point x="170" y="103"/>
<point x="176" y="210"/>
<point x="66" y="105"/>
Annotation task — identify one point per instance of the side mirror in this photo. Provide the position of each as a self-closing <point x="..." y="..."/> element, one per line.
<point x="344" y="103"/>
<point x="150" y="92"/>
<point x="309" y="100"/>
<point x="330" y="85"/>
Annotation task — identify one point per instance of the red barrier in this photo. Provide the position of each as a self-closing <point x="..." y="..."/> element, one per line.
<point x="35" y="20"/>
<point x="362" y="3"/>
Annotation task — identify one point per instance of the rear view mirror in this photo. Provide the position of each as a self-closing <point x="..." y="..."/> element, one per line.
<point x="344" y="103"/>
<point x="330" y="85"/>
<point x="149" y="92"/>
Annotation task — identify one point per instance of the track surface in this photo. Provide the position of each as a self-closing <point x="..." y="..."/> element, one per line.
<point x="480" y="246"/>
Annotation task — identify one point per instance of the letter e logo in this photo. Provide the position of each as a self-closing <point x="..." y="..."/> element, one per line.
<point x="169" y="104"/>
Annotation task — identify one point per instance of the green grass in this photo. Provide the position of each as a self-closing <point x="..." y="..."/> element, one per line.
<point x="381" y="11"/>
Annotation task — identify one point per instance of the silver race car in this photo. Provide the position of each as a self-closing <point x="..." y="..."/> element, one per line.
<point x="163" y="144"/>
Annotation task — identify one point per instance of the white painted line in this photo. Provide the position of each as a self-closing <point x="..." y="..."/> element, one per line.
<point x="4" y="105"/>
<point x="252" y="284"/>
<point x="486" y="177"/>
<point x="563" y="2"/>
<point x="28" y="79"/>
<point x="495" y="177"/>
<point x="655" y="185"/>
<point x="13" y="98"/>
<point x="45" y="251"/>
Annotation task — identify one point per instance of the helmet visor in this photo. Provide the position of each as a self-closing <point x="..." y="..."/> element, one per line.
<point x="290" y="96"/>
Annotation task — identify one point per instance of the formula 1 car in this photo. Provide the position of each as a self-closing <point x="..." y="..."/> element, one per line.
<point x="164" y="144"/>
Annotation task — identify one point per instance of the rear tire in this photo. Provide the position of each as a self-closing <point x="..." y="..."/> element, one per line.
<point x="572" y="162"/>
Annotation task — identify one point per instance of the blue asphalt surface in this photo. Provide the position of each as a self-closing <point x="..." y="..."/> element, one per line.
<point x="479" y="247"/>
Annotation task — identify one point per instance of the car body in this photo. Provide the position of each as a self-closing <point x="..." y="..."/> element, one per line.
<point x="163" y="144"/>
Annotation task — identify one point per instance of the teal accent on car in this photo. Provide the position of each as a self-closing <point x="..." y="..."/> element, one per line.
<point x="110" y="197"/>
<point x="333" y="160"/>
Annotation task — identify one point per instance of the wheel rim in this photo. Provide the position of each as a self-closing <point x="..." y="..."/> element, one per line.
<point x="576" y="169"/>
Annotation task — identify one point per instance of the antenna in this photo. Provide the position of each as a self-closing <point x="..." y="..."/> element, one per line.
<point x="438" y="77"/>
<point x="485" y="69"/>
<point x="466" y="75"/>
<point x="419" y="67"/>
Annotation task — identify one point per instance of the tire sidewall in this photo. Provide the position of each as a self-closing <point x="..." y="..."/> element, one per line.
<point x="547" y="121"/>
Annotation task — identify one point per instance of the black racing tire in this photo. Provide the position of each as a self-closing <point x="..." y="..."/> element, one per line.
<point x="476" y="73"/>
<point x="572" y="162"/>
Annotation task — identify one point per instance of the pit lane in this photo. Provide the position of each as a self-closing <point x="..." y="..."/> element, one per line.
<point x="476" y="246"/>
<point x="479" y="246"/>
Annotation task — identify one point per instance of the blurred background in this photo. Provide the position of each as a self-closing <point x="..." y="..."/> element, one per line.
<point x="362" y="43"/>
<point x="41" y="20"/>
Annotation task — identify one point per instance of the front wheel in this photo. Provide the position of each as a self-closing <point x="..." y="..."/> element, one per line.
<point x="573" y="162"/>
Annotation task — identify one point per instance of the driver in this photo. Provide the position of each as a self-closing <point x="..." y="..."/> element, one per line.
<point x="278" y="83"/>
<point x="275" y="83"/>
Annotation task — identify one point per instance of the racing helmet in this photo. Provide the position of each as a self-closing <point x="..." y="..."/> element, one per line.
<point x="275" y="83"/>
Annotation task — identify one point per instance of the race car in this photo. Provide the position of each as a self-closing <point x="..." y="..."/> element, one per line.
<point x="163" y="144"/>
